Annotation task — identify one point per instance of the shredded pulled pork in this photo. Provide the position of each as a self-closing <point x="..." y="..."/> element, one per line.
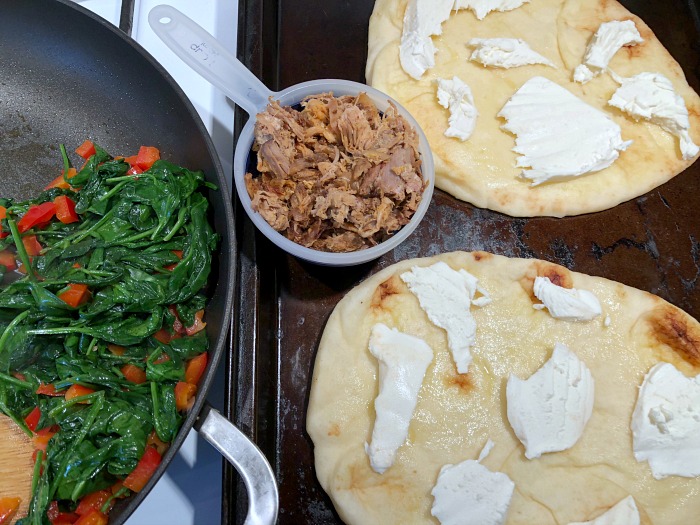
<point x="337" y="176"/>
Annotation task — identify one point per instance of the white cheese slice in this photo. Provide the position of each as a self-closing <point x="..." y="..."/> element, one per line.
<point x="446" y="297"/>
<point x="569" y="304"/>
<point x="540" y="114"/>
<point x="470" y="494"/>
<point x="607" y="40"/>
<point x="650" y="96"/>
<point x="666" y="422"/>
<point x="403" y="360"/>
<point x="422" y="19"/>
<point x="456" y="96"/>
<point x="624" y="512"/>
<point x="482" y="8"/>
<point x="549" y="410"/>
<point x="505" y="53"/>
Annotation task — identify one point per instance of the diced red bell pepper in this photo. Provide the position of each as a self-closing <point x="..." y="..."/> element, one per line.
<point x="198" y="324"/>
<point x="162" y="359"/>
<point x="164" y="336"/>
<point x="42" y="437"/>
<point x="195" y="368"/>
<point x="184" y="395"/>
<point x="178" y="327"/>
<point x="114" y="489"/>
<point x="8" y="509"/>
<point x="52" y="511"/>
<point x="32" y="419"/>
<point x="65" y="209"/>
<point x="56" y="517"/>
<point x="93" y="518"/>
<point x="93" y="501"/>
<point x="134" y="169"/>
<point x="59" y="182"/>
<point x="31" y="245"/>
<point x="3" y="214"/>
<point x="76" y="295"/>
<point x="36" y="215"/>
<point x="145" y="468"/>
<point x="116" y="349"/>
<point x="178" y="254"/>
<point x="66" y="518"/>
<point x="154" y="441"/>
<point x="7" y="259"/>
<point x="134" y="374"/>
<point x="49" y="390"/>
<point x="86" y="149"/>
<point x="77" y="390"/>
<point x="146" y="156"/>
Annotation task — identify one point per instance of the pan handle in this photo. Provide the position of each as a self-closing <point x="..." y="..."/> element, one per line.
<point x="249" y="461"/>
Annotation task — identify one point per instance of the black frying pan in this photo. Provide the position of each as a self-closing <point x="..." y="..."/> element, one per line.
<point x="66" y="75"/>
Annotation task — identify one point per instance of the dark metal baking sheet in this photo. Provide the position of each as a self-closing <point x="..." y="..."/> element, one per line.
<point x="651" y="243"/>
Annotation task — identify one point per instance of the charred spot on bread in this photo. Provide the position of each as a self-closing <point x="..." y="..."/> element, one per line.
<point x="556" y="274"/>
<point x="673" y="328"/>
<point x="634" y="51"/>
<point x="481" y="256"/>
<point x="363" y="479"/>
<point x="392" y="286"/>
<point x="334" y="430"/>
<point x="463" y="382"/>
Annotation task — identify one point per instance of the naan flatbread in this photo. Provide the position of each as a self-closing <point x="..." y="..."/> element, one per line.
<point x="482" y="170"/>
<point x="457" y="413"/>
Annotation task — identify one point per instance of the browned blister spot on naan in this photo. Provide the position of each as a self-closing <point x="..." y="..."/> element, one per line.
<point x="675" y="329"/>
<point x="556" y="274"/>
<point x="482" y="256"/>
<point x="392" y="286"/>
<point x="463" y="382"/>
<point x="334" y="430"/>
<point x="635" y="50"/>
<point x="364" y="479"/>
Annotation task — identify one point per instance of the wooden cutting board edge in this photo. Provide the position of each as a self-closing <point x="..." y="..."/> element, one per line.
<point x="16" y="464"/>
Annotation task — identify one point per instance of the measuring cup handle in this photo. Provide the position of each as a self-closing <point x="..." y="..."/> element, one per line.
<point x="203" y="53"/>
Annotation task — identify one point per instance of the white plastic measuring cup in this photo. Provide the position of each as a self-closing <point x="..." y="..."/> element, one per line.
<point x="203" y="53"/>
